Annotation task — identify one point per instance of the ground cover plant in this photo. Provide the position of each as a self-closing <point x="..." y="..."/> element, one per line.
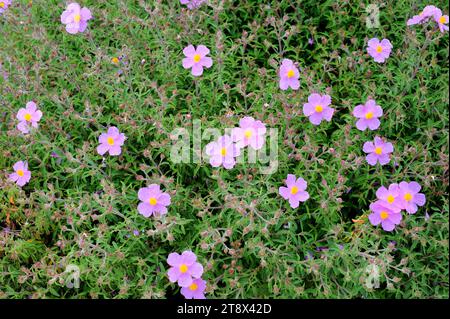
<point x="351" y="96"/>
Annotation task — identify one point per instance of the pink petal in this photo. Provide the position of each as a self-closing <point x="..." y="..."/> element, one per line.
<point x="308" y="109"/>
<point x="387" y="225"/>
<point x="202" y="50"/>
<point x="174" y="259"/>
<point x="372" y="159"/>
<point x="164" y="199"/>
<point x="361" y="124"/>
<point x="315" y="118"/>
<point x="173" y="274"/>
<point x="293" y="202"/>
<point x="85" y="14"/>
<point x="284" y="84"/>
<point x="184" y="280"/>
<point x="368" y="147"/>
<point x="115" y="150"/>
<point x="197" y="69"/>
<point x="206" y="62"/>
<point x="284" y="192"/>
<point x="72" y="27"/>
<point x="414" y="187"/>
<point x="196" y="270"/>
<point x="145" y="209"/>
<point x="359" y="111"/>
<point x="374" y="219"/>
<point x="144" y="194"/>
<point x="291" y="180"/>
<point x="102" y="149"/>
<point x="189" y="51"/>
<point x="188" y="62"/>
<point x="373" y="123"/>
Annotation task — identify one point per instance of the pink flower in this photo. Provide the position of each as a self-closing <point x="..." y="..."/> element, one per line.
<point x="410" y="196"/>
<point x="441" y="20"/>
<point x="250" y="132"/>
<point x="192" y="4"/>
<point x="4" y="4"/>
<point x="28" y="117"/>
<point x="196" y="59"/>
<point x="390" y="197"/>
<point x="427" y="12"/>
<point x="378" y="151"/>
<point x="295" y="190"/>
<point x="153" y="201"/>
<point x="317" y="108"/>
<point x="184" y="268"/>
<point x="368" y="115"/>
<point x="380" y="51"/>
<point x="111" y="142"/>
<point x="195" y="290"/>
<point x="75" y="18"/>
<point x="289" y="75"/>
<point x="223" y="152"/>
<point x="21" y="173"/>
<point x="385" y="216"/>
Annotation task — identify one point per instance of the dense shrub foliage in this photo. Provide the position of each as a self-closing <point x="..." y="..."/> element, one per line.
<point x="125" y="70"/>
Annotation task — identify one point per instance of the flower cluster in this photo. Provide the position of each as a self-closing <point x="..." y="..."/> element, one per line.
<point x="187" y="272"/>
<point x="433" y="13"/>
<point x="392" y="200"/>
<point x="224" y="151"/>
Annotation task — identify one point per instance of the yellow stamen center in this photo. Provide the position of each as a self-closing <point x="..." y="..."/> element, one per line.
<point x="294" y="190"/>
<point x="290" y="73"/>
<point x="390" y="199"/>
<point x="319" y="108"/>
<point x="378" y="150"/>
<point x="77" y="18"/>
<point x="110" y="141"/>
<point x="183" y="268"/>
<point x="442" y="20"/>
<point x="20" y="172"/>
<point x="2" y="4"/>
<point x="379" y="49"/>
<point x="193" y="287"/>
<point x="369" y="115"/>
<point x="115" y="60"/>
<point x="384" y="215"/>
<point x="197" y="58"/>
<point x="248" y="134"/>
<point x="408" y="197"/>
<point x="153" y="201"/>
<point x="223" y="151"/>
<point x="27" y="117"/>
